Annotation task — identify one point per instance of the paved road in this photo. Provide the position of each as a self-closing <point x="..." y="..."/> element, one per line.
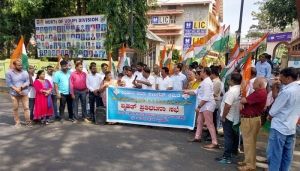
<point x="71" y="147"/>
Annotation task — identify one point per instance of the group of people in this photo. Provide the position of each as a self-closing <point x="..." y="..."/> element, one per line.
<point x="270" y="98"/>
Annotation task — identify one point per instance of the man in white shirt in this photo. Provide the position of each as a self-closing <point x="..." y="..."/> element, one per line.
<point x="230" y="116"/>
<point x="139" y="72"/>
<point x="164" y="82"/>
<point x="104" y="68"/>
<point x="217" y="94"/>
<point x="49" y="77"/>
<point x="93" y="82"/>
<point x="127" y="80"/>
<point x="178" y="79"/>
<point x="147" y="82"/>
<point x="31" y="93"/>
<point x="156" y="72"/>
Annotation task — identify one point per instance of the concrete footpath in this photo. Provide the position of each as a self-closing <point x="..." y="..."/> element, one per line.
<point x="70" y="147"/>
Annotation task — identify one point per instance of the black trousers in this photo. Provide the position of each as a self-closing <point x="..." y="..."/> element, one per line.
<point x="231" y="138"/>
<point x="92" y="99"/>
<point x="66" y="98"/>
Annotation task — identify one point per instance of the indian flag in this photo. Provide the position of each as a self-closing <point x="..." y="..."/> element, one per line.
<point x="189" y="53"/>
<point x="221" y="40"/>
<point x="20" y="53"/>
<point x="169" y="57"/>
<point x="24" y="58"/>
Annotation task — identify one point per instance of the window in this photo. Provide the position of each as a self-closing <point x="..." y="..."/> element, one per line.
<point x="172" y="7"/>
<point x="170" y="40"/>
<point x="172" y="19"/>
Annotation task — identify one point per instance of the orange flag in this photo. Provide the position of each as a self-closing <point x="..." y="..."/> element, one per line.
<point x="122" y="55"/>
<point x="163" y="55"/>
<point x="246" y="75"/>
<point x="17" y="52"/>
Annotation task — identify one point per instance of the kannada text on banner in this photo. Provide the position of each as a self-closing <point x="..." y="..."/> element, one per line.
<point x="151" y="107"/>
<point x="77" y="35"/>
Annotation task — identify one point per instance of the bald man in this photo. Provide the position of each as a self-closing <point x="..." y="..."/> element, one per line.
<point x="250" y="122"/>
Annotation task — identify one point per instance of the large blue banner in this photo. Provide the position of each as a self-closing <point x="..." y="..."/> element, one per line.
<point x="150" y="107"/>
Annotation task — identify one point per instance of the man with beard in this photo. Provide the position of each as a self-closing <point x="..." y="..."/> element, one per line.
<point x="18" y="81"/>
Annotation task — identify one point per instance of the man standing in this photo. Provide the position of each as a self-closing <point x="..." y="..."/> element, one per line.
<point x="217" y="94"/>
<point x="263" y="68"/>
<point x="127" y="80"/>
<point x="178" y="79"/>
<point x="156" y="72"/>
<point x="18" y="81"/>
<point x="104" y="68"/>
<point x="284" y="115"/>
<point x="139" y="70"/>
<point x="164" y="82"/>
<point x="230" y="116"/>
<point x="254" y="106"/>
<point x="79" y="91"/>
<point x="49" y="77"/>
<point x="93" y="82"/>
<point x="31" y="90"/>
<point x="206" y="107"/>
<point x="147" y="81"/>
<point x="62" y="87"/>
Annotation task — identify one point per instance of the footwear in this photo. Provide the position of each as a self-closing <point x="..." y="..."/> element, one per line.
<point x="225" y="160"/>
<point x="241" y="163"/>
<point x="86" y="120"/>
<point x="194" y="140"/>
<point x="18" y="125"/>
<point x="245" y="168"/>
<point x="73" y="120"/>
<point x="29" y="124"/>
<point x="211" y="146"/>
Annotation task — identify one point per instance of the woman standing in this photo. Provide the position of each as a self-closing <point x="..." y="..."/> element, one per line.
<point x="193" y="83"/>
<point x="107" y="81"/>
<point x="44" y="108"/>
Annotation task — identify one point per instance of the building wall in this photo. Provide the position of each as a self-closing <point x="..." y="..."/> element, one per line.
<point x="196" y="12"/>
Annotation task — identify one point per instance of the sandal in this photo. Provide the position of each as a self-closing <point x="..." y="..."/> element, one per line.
<point x="194" y="140"/>
<point x="211" y="146"/>
<point x="245" y="168"/>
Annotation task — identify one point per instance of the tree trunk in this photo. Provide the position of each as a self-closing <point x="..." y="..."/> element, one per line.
<point x="84" y="3"/>
<point x="78" y="7"/>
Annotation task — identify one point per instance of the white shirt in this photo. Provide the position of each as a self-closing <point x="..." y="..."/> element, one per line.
<point x="50" y="79"/>
<point x="102" y="75"/>
<point x="138" y="74"/>
<point x="206" y="92"/>
<point x="231" y="97"/>
<point x="178" y="81"/>
<point x="93" y="81"/>
<point x="31" y="89"/>
<point x="250" y="89"/>
<point x="150" y="80"/>
<point x="128" y="81"/>
<point x="164" y="83"/>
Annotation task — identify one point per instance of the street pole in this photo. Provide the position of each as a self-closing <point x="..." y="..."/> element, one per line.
<point x="238" y="32"/>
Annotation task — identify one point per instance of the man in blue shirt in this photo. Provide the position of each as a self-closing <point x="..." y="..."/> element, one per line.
<point x="284" y="115"/>
<point x="62" y="86"/>
<point x="18" y="81"/>
<point x="263" y="68"/>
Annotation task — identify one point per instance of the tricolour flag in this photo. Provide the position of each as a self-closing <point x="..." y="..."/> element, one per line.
<point x="221" y="41"/>
<point x="189" y="53"/>
<point x="121" y="58"/>
<point x="163" y="55"/>
<point x="24" y="58"/>
<point x="20" y="54"/>
<point x="246" y="75"/>
<point x="168" y="60"/>
<point x="235" y="52"/>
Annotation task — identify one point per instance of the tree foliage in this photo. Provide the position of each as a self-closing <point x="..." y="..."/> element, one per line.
<point x="17" y="18"/>
<point x="275" y="14"/>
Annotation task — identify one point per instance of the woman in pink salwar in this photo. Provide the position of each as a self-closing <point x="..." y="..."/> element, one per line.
<point x="43" y="109"/>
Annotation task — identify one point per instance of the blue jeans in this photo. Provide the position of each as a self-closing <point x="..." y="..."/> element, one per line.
<point x="80" y="95"/>
<point x="54" y="101"/>
<point x="231" y="138"/>
<point x="280" y="151"/>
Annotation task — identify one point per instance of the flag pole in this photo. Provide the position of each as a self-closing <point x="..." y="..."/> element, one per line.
<point x="239" y="31"/>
